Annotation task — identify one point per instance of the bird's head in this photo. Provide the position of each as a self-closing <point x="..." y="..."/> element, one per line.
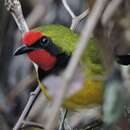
<point x="40" y="49"/>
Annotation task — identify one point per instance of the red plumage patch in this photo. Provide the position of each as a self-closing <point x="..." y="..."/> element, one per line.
<point x="43" y="59"/>
<point x="31" y="37"/>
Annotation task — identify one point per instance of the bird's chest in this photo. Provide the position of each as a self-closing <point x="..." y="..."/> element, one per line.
<point x="43" y="59"/>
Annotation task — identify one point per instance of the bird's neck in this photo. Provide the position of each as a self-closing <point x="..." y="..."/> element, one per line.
<point x="43" y="59"/>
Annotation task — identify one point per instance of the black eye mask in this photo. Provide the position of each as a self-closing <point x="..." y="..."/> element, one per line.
<point x="47" y="44"/>
<point x="43" y="43"/>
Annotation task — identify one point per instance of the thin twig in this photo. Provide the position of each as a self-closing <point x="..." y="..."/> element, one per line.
<point x="68" y="8"/>
<point x="83" y="15"/>
<point x="69" y="72"/>
<point x="63" y="117"/>
<point x="75" y="19"/>
<point x="66" y="122"/>
<point x="28" y="124"/>
<point x="39" y="108"/>
<point x="14" y="7"/>
<point x="27" y="108"/>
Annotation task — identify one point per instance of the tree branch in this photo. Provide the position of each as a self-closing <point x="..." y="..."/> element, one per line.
<point x="14" y="7"/>
<point x="27" y="108"/>
<point x="68" y="9"/>
<point x="28" y="124"/>
<point x="75" y="19"/>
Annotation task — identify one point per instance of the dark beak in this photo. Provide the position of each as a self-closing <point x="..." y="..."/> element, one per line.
<point x="23" y="49"/>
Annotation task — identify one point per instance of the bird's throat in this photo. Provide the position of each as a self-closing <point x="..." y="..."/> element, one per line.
<point x="43" y="59"/>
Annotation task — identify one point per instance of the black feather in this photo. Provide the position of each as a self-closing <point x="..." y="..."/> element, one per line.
<point x="62" y="61"/>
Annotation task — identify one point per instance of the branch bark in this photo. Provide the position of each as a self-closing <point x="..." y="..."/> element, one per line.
<point x="75" y="19"/>
<point x="14" y="7"/>
<point x="27" y="108"/>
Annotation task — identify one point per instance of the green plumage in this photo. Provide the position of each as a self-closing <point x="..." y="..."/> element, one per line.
<point x="65" y="39"/>
<point x="91" y="91"/>
<point x="62" y="36"/>
<point x="91" y="60"/>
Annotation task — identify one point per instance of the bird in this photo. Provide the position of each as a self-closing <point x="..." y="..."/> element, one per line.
<point x="51" y="47"/>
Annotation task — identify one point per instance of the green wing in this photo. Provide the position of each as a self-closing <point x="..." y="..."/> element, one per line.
<point x="64" y="38"/>
<point x="91" y="59"/>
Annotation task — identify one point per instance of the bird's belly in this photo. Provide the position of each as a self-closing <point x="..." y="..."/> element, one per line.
<point x="89" y="95"/>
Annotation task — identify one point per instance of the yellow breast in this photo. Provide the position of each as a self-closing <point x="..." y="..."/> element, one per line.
<point x="89" y="95"/>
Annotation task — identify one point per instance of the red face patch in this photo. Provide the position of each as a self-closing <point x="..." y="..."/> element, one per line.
<point x="30" y="38"/>
<point x="43" y="59"/>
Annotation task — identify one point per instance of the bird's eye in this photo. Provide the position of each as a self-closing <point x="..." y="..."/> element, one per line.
<point x="44" y="42"/>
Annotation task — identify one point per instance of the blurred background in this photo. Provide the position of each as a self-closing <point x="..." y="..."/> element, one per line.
<point x="17" y="78"/>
